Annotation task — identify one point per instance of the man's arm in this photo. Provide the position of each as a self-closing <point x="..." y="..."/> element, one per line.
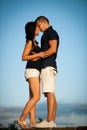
<point x="27" y="49"/>
<point x="53" y="48"/>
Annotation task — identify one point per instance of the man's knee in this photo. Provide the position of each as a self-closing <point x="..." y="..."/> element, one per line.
<point x="49" y="95"/>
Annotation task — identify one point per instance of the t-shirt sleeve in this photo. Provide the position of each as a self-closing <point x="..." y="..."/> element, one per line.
<point x="53" y="35"/>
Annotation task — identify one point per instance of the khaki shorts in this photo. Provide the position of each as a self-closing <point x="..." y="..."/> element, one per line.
<point x="29" y="73"/>
<point x="48" y="79"/>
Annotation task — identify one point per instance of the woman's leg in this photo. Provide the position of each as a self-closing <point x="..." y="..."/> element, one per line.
<point x="32" y="114"/>
<point x="35" y="88"/>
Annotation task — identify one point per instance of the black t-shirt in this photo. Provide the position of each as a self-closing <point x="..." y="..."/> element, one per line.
<point x="49" y="34"/>
<point x="34" y="64"/>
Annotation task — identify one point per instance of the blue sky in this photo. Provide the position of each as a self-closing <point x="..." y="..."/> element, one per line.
<point x="69" y="19"/>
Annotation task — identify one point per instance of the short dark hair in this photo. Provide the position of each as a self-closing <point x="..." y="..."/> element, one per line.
<point x="30" y="30"/>
<point x="42" y="18"/>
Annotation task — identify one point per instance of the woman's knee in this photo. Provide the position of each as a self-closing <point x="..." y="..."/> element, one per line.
<point x="37" y="98"/>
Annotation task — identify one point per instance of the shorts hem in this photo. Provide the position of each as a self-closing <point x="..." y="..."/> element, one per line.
<point x="31" y="73"/>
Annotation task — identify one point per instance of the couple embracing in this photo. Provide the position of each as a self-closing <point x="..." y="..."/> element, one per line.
<point x="40" y="61"/>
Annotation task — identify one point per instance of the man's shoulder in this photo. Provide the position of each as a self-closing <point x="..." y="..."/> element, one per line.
<point x="51" y="30"/>
<point x="52" y="34"/>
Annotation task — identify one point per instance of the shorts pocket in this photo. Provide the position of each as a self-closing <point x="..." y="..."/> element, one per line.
<point x="52" y="72"/>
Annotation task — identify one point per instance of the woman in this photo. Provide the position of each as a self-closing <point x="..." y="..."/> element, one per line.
<point x="32" y="73"/>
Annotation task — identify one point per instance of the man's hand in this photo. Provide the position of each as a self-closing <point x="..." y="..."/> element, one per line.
<point x="33" y="52"/>
<point x="40" y="55"/>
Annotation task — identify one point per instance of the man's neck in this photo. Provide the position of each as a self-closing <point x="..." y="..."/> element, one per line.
<point x="48" y="25"/>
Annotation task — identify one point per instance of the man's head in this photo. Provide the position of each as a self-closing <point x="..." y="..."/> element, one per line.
<point x="42" y="22"/>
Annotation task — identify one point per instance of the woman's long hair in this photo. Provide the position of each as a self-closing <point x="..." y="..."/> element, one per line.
<point x="30" y="31"/>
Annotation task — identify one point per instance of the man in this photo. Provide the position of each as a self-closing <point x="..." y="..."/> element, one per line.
<point x="49" y="45"/>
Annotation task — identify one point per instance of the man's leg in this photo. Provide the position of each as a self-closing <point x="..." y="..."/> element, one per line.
<point x="51" y="104"/>
<point x="55" y="107"/>
<point x="48" y="83"/>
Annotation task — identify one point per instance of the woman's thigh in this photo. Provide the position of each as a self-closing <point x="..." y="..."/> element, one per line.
<point x="34" y="84"/>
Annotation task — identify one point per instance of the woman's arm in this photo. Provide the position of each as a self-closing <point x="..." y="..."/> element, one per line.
<point x="27" y="49"/>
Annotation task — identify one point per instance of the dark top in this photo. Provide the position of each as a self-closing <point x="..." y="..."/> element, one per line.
<point x="49" y="34"/>
<point x="34" y="64"/>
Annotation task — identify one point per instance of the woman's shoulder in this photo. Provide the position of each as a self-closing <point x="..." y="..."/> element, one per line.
<point x="29" y="42"/>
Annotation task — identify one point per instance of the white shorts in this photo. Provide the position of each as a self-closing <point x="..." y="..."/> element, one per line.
<point x="48" y="79"/>
<point x="29" y="73"/>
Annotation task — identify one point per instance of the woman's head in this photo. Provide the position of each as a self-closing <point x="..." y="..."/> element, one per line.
<point x="31" y="30"/>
